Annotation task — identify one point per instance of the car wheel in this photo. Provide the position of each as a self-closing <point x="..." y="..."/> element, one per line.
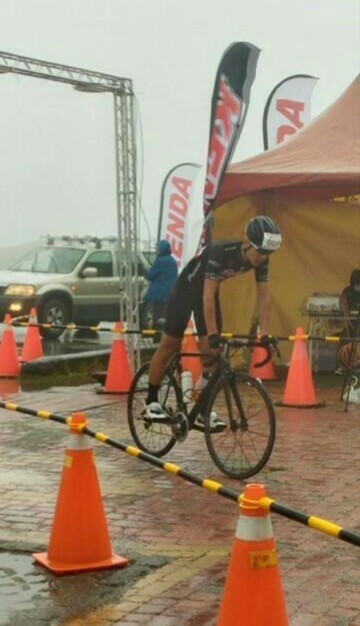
<point x="54" y="311"/>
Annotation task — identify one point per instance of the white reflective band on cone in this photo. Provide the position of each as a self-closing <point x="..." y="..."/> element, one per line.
<point x="254" y="528"/>
<point x="79" y="442"/>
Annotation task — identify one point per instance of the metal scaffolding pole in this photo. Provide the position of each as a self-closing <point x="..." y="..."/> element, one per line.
<point x="125" y="149"/>
<point x="127" y="222"/>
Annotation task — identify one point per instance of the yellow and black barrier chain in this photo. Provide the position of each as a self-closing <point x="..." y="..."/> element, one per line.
<point x="96" y="329"/>
<point x="304" y="337"/>
<point x="316" y="523"/>
<point x="149" y="332"/>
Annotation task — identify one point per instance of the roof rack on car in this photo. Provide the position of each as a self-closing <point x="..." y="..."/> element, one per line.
<point x="86" y="239"/>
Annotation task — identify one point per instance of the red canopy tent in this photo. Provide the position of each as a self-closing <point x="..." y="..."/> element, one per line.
<point x="319" y="162"/>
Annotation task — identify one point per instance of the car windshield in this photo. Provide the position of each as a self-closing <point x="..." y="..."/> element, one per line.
<point x="49" y="260"/>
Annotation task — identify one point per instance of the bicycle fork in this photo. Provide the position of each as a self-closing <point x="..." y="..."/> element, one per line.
<point x="237" y="417"/>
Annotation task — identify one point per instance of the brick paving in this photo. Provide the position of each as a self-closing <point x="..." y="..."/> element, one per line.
<point x="314" y="468"/>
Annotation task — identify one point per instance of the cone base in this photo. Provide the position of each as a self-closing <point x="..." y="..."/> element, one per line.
<point x="10" y="376"/>
<point x="317" y="405"/>
<point x="67" y="568"/>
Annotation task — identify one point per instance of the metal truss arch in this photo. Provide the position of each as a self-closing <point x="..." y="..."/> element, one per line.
<point x="89" y="81"/>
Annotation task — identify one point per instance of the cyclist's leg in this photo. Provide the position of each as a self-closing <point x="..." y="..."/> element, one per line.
<point x="177" y="316"/>
<point x="199" y="318"/>
<point x="208" y="364"/>
<point x="157" y="368"/>
<point x="168" y="347"/>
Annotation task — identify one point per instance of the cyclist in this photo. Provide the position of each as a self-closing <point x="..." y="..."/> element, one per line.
<point x="197" y="291"/>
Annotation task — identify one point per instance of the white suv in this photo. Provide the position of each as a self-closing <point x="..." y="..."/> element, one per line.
<point x="70" y="279"/>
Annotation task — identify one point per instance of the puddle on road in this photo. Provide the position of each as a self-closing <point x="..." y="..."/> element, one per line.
<point x="21" y="586"/>
<point x="76" y="342"/>
<point x="29" y="594"/>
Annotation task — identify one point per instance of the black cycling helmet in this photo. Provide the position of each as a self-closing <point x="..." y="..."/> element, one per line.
<point x="263" y="234"/>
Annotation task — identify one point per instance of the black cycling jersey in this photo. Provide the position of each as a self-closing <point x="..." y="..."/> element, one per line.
<point x="218" y="262"/>
<point x="223" y="260"/>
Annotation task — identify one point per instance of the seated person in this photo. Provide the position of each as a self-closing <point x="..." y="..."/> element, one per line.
<point x="350" y="303"/>
<point x="349" y="352"/>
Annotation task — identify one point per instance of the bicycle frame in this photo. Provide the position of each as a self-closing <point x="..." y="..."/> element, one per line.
<point x="222" y="369"/>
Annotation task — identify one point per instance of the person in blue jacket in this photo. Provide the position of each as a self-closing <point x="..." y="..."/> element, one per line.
<point x="162" y="276"/>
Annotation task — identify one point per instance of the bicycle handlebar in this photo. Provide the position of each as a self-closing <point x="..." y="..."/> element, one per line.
<point x="238" y="343"/>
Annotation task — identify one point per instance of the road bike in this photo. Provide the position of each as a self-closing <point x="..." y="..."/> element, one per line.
<point x="241" y="446"/>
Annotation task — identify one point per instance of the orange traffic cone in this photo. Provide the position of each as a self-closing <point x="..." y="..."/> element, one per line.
<point x="253" y="592"/>
<point x="119" y="375"/>
<point x="299" y="388"/>
<point x="9" y="360"/>
<point x="32" y="348"/>
<point x="79" y="538"/>
<point x="190" y="363"/>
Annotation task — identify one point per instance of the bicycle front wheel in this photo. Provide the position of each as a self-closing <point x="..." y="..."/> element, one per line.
<point x="243" y="446"/>
<point x="153" y="437"/>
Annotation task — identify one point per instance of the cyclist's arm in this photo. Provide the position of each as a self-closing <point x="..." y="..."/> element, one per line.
<point x="211" y="287"/>
<point x="263" y="306"/>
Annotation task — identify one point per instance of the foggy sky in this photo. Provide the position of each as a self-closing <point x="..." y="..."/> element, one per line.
<point x="57" y="157"/>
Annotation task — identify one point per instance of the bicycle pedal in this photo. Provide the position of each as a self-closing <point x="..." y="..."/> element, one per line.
<point x="158" y="420"/>
<point x="213" y="431"/>
<point x="218" y="429"/>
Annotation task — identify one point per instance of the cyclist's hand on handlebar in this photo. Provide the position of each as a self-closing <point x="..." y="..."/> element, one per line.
<point x="271" y="343"/>
<point x="215" y="343"/>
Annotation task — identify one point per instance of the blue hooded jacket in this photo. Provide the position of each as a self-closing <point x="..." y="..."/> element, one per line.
<point x="162" y="274"/>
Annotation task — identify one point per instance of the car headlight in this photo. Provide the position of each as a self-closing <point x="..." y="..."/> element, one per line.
<point x="20" y="290"/>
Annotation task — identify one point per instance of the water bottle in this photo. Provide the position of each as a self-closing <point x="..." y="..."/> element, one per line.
<point x="187" y="386"/>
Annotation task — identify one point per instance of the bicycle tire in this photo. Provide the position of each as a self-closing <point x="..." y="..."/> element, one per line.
<point x="154" y="438"/>
<point x="241" y="453"/>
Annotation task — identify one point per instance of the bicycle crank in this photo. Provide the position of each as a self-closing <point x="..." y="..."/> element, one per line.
<point x="180" y="427"/>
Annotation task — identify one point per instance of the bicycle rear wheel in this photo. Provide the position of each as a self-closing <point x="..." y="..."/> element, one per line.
<point x="155" y="438"/>
<point x="245" y="444"/>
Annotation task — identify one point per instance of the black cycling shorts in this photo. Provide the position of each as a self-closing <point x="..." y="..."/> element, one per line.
<point x="184" y="301"/>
